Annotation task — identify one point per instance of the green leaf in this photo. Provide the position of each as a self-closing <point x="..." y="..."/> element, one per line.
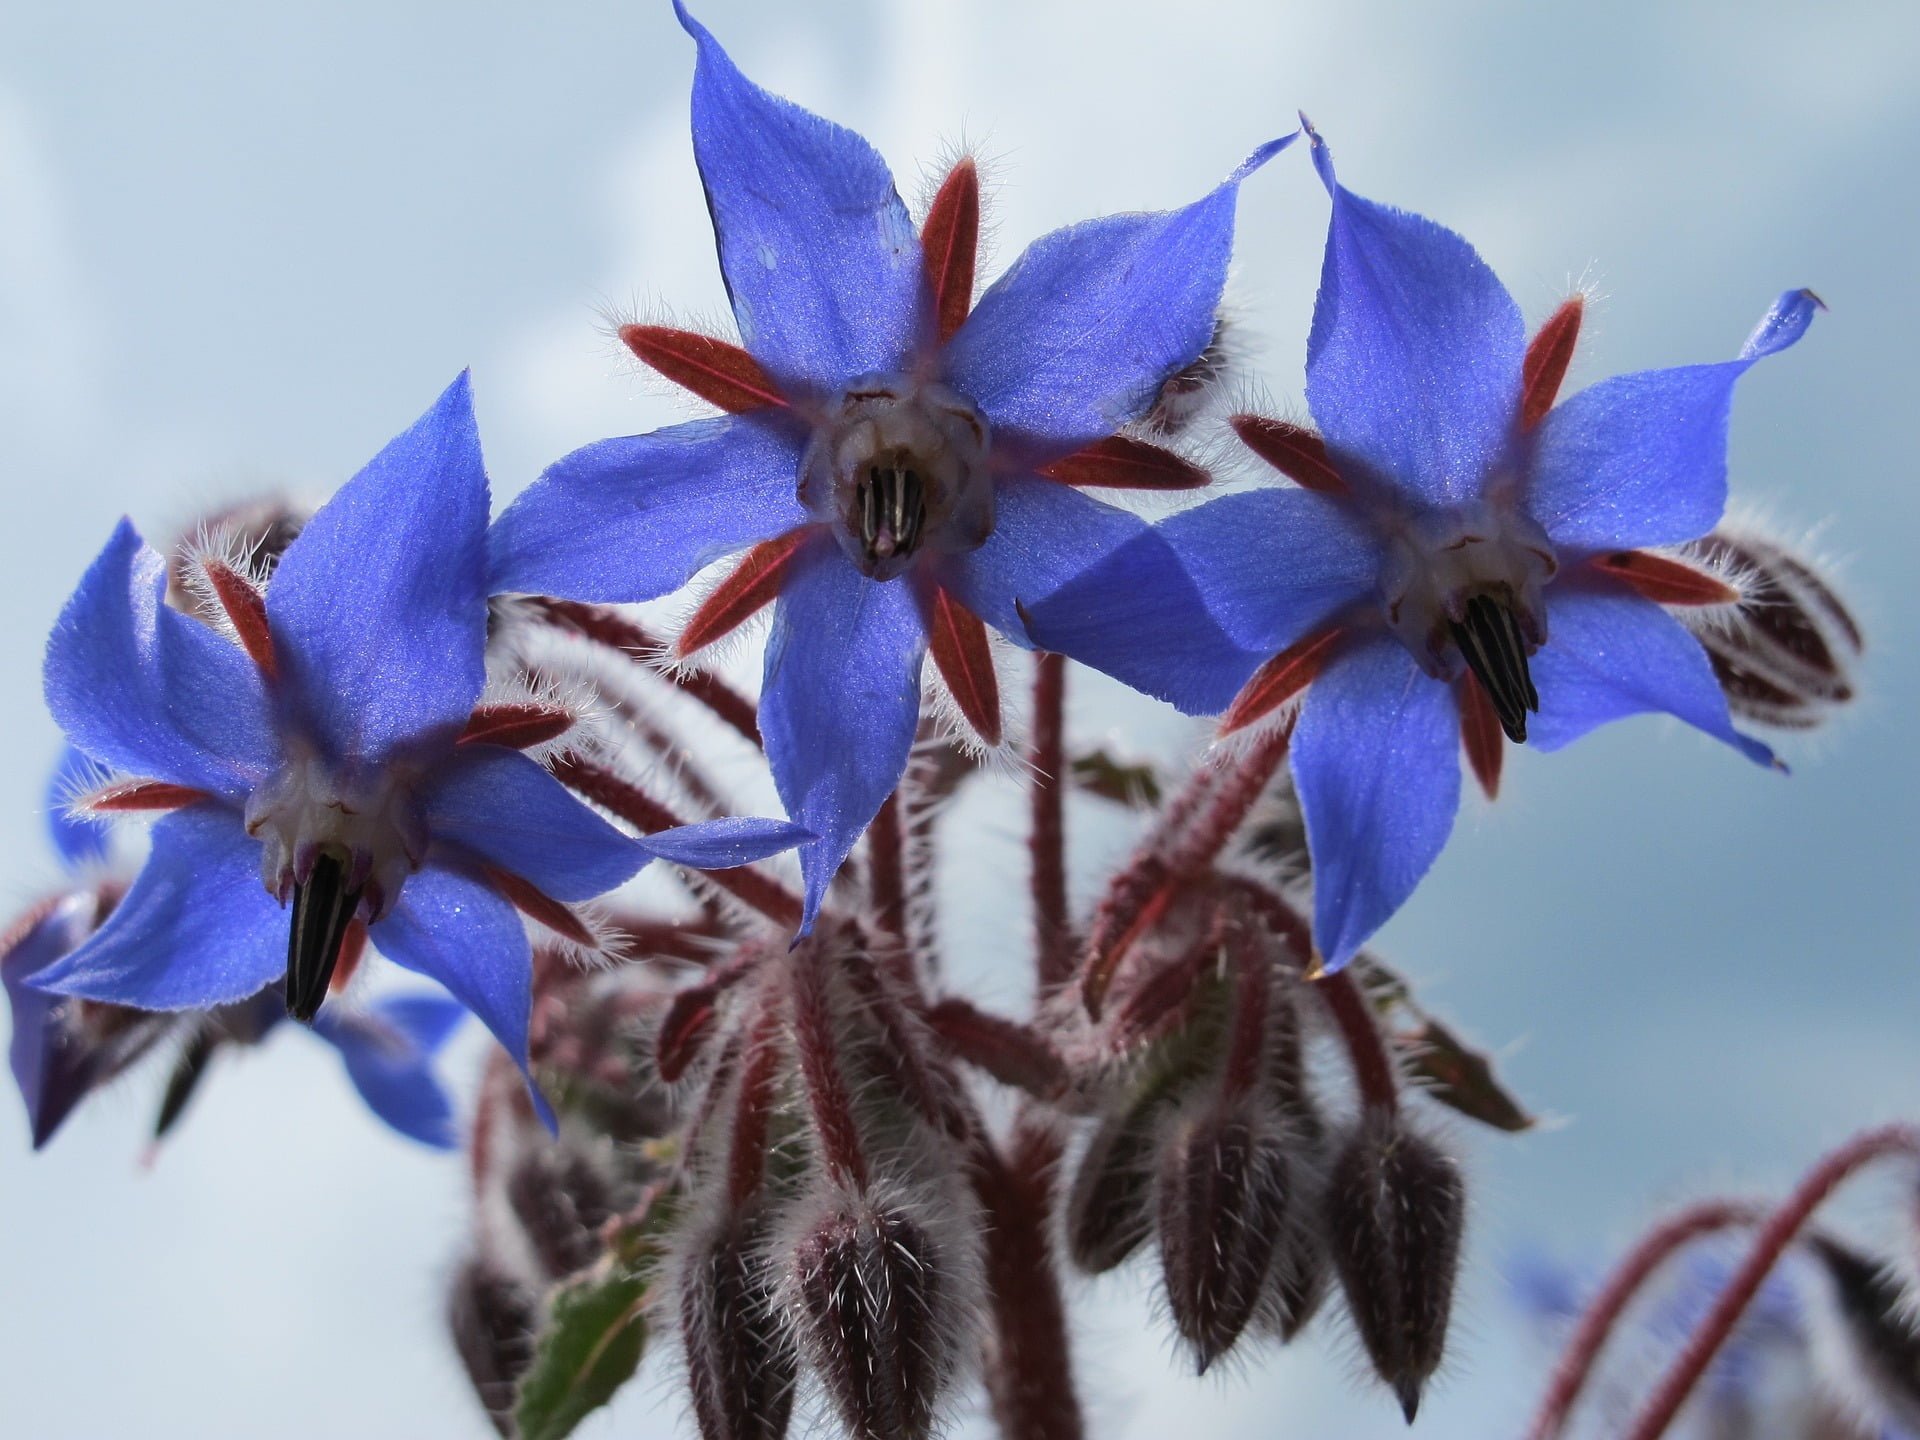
<point x="1135" y="786"/>
<point x="595" y="1334"/>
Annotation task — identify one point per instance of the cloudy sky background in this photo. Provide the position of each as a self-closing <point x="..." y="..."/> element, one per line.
<point x="242" y="246"/>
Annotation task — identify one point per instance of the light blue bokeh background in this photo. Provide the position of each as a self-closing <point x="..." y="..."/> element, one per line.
<point x="244" y="245"/>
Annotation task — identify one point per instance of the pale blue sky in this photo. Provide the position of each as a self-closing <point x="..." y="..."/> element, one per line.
<point x="247" y="244"/>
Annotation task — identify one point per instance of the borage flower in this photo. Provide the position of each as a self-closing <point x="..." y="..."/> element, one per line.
<point x="903" y="468"/>
<point x="1463" y="558"/>
<point x="330" y="747"/>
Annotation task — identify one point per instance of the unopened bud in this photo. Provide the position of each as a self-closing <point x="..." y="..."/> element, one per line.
<point x="1184" y="395"/>
<point x="871" y="1293"/>
<point x="491" y="1318"/>
<point x="1785" y="657"/>
<point x="1224" y="1196"/>
<point x="1878" y="1331"/>
<point x="741" y="1365"/>
<point x="561" y="1201"/>
<point x="1109" y="1209"/>
<point x="1395" y="1208"/>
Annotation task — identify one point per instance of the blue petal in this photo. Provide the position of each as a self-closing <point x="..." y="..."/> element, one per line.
<point x="1413" y="363"/>
<point x="147" y="691"/>
<point x="457" y="930"/>
<point x="54" y="1072"/>
<point x="197" y="928"/>
<point x="1642" y="459"/>
<point x="379" y="609"/>
<point x="821" y="259"/>
<point x="840" y="701"/>
<point x="388" y="1052"/>
<point x="1377" y="765"/>
<point x="502" y="807"/>
<point x="634" y="518"/>
<point x="1275" y="565"/>
<point x="1069" y="574"/>
<point x="723" y="844"/>
<point x="1610" y="653"/>
<point x="79" y="839"/>
<point x="1078" y="337"/>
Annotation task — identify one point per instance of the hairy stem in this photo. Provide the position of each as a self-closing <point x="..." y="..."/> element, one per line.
<point x="1779" y="1231"/>
<point x="615" y="631"/>
<point x="1049" y="838"/>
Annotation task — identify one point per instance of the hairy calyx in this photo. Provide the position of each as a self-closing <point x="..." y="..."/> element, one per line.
<point x="899" y="465"/>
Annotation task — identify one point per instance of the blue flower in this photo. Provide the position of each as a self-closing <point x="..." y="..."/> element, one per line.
<point x="1458" y="547"/>
<point x="889" y="451"/>
<point x="318" y="749"/>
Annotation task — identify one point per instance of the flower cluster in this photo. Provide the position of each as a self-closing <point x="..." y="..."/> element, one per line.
<point x="754" y="1116"/>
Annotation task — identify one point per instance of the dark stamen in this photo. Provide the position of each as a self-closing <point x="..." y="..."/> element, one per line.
<point x="322" y="909"/>
<point x="1490" y="640"/>
<point x="893" y="510"/>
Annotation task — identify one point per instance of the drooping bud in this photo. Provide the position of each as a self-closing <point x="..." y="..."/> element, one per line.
<point x="1785" y="657"/>
<point x="1184" y="395"/>
<point x="561" y="1201"/>
<point x="1110" y="1207"/>
<point x="872" y="1294"/>
<point x="491" y="1318"/>
<point x="1395" y="1209"/>
<point x="1224" y="1194"/>
<point x="1878" y="1331"/>
<point x="741" y="1362"/>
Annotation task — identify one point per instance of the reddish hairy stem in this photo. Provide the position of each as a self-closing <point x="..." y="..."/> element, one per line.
<point x="1372" y="1068"/>
<point x="1007" y="1050"/>
<point x="1596" y="1324"/>
<point x="1779" y="1231"/>
<point x="817" y="1046"/>
<point x="1029" y="1360"/>
<point x="616" y="632"/>
<point x="641" y="810"/>
<point x="886" y="868"/>
<point x="747" y="1142"/>
<point x="1225" y="809"/>
<point x="1253" y="1000"/>
<point x="1048" y="841"/>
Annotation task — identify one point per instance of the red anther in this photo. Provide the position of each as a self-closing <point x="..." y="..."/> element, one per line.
<point x="1480" y="733"/>
<point x="1279" y="680"/>
<point x="536" y="904"/>
<point x="517" y="725"/>
<point x="1120" y="462"/>
<point x="719" y="373"/>
<point x="1665" y="581"/>
<point x="960" y="649"/>
<point x="949" y="241"/>
<point x="1295" y="451"/>
<point x="246" y="611"/>
<point x="135" y="795"/>
<point x="353" y="949"/>
<point x="1010" y="1052"/>
<point x="616" y="632"/>
<point x="1548" y="355"/>
<point x="753" y="585"/>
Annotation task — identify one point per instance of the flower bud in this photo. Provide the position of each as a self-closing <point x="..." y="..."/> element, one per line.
<point x="561" y="1201"/>
<point x="492" y="1319"/>
<point x="872" y="1294"/>
<point x="1878" y="1332"/>
<point x="1224" y="1194"/>
<point x="1109" y="1209"/>
<point x="1785" y="656"/>
<point x="741" y="1365"/>
<point x="1395" y="1208"/>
